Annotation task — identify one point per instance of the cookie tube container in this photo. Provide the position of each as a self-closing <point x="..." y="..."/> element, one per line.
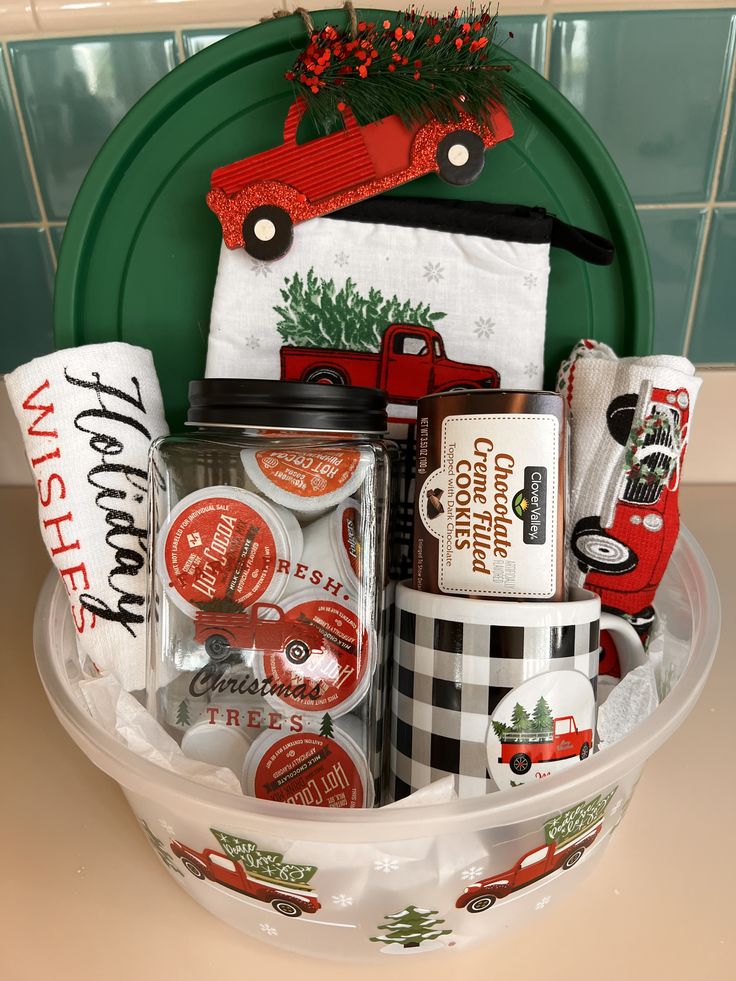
<point x="268" y="590"/>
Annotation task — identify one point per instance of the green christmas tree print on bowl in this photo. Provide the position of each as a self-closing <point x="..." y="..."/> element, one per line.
<point x="412" y="930"/>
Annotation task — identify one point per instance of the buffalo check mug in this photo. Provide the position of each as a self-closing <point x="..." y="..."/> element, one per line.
<point x="497" y="693"/>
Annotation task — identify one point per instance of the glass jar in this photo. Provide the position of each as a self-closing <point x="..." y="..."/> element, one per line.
<point x="269" y="587"/>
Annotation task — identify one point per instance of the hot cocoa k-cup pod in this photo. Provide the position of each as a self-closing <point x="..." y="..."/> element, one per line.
<point x="308" y="768"/>
<point x="332" y="669"/>
<point x="332" y="550"/>
<point x="217" y="743"/>
<point x="309" y="482"/>
<point x="224" y="544"/>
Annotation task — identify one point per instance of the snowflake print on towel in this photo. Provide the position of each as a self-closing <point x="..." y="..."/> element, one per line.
<point x="531" y="369"/>
<point x="433" y="272"/>
<point x="342" y="259"/>
<point x="530" y="281"/>
<point x="342" y="900"/>
<point x="484" y="327"/>
<point x="472" y="873"/>
<point x="261" y="268"/>
<point x="253" y="343"/>
<point x="385" y="865"/>
<point x="269" y="930"/>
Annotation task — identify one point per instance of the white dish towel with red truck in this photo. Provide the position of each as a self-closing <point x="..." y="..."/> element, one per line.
<point x="630" y="421"/>
<point x="411" y="295"/>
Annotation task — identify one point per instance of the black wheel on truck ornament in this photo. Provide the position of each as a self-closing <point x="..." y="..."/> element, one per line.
<point x="460" y="157"/>
<point x="267" y="233"/>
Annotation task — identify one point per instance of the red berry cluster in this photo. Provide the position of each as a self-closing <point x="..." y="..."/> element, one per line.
<point x="333" y="55"/>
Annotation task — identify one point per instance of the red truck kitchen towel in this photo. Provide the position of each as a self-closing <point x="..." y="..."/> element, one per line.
<point x="409" y="295"/>
<point x="88" y="416"/>
<point x="630" y="421"/>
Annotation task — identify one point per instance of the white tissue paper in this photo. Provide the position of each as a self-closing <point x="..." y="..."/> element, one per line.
<point x="88" y="416"/>
<point x="122" y="716"/>
<point x="628" y="704"/>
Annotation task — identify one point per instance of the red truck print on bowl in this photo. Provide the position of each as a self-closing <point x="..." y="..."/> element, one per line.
<point x="212" y="865"/>
<point x="624" y="550"/>
<point x="259" y="199"/>
<point x="531" y="867"/>
<point x="411" y="363"/>
<point x="562" y="742"/>
<point x="261" y="627"/>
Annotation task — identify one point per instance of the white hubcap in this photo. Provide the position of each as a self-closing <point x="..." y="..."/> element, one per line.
<point x="458" y="155"/>
<point x="264" y="230"/>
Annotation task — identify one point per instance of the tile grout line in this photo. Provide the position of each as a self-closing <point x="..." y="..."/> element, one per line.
<point x="549" y="23"/>
<point x="712" y="198"/>
<point x="44" y="223"/>
<point x="31" y="224"/>
<point x="683" y="205"/>
<point x="179" y="39"/>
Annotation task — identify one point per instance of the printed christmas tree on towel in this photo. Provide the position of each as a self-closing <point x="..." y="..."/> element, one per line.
<point x="316" y="313"/>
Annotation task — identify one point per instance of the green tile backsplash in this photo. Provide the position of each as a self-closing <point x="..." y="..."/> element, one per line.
<point x="727" y="186"/>
<point x="17" y="201"/>
<point x="672" y="238"/>
<point x="196" y="41"/>
<point x="528" y="40"/>
<point x="73" y="92"/>
<point x="26" y="284"/>
<point x="714" y="333"/>
<point x="654" y="84"/>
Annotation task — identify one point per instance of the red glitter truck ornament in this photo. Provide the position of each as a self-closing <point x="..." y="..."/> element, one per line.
<point x="259" y="199"/>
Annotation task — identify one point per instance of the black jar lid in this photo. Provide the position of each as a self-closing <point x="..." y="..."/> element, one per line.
<point x="263" y="404"/>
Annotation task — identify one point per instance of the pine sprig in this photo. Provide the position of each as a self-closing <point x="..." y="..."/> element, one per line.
<point x="416" y="65"/>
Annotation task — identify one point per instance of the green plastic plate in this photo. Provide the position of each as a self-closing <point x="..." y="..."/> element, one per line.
<point x="140" y="252"/>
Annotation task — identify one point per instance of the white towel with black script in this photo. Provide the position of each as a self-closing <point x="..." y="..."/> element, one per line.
<point x="88" y="416"/>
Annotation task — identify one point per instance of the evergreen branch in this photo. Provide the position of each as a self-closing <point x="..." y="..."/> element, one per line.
<point x="418" y="66"/>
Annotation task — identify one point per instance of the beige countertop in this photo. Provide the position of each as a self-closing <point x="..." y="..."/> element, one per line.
<point x="83" y="898"/>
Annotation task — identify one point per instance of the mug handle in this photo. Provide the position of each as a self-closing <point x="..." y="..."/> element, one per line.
<point x="629" y="647"/>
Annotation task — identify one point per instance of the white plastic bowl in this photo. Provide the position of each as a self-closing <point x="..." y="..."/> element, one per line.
<point x="374" y="864"/>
